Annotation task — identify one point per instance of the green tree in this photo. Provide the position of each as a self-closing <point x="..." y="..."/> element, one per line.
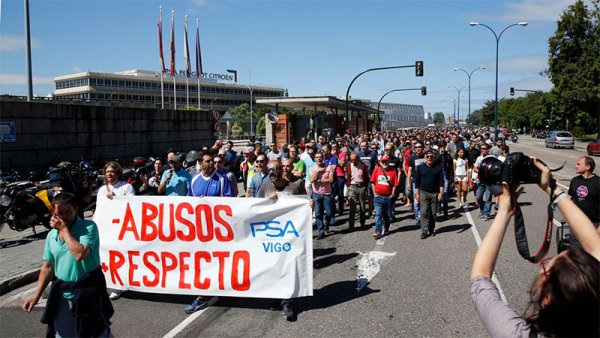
<point x="438" y="117"/>
<point x="574" y="68"/>
<point x="237" y="129"/>
<point x="260" y="126"/>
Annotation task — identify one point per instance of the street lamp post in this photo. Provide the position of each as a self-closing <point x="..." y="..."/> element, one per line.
<point x="418" y="66"/>
<point x="497" y="36"/>
<point x="454" y="107"/>
<point x="251" y="112"/>
<point x="422" y="89"/>
<point x="469" y="75"/>
<point x="458" y="110"/>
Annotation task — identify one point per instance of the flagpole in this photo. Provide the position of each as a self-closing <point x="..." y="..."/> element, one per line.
<point x="187" y="67"/>
<point x="173" y="70"/>
<point x="162" y="64"/>
<point x="197" y="70"/>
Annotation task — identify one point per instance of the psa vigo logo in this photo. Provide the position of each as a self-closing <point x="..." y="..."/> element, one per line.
<point x="274" y="235"/>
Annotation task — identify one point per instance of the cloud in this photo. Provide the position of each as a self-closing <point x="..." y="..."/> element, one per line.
<point x="524" y="63"/>
<point x="14" y="43"/>
<point x="77" y="69"/>
<point x="7" y="79"/>
<point x="529" y="10"/>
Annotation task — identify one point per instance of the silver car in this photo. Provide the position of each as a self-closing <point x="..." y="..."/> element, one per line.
<point x="560" y="139"/>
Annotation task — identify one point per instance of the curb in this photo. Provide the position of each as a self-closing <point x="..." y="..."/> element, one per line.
<point x="18" y="281"/>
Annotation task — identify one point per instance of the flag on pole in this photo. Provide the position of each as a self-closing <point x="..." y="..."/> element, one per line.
<point x="173" y="43"/>
<point x="186" y="51"/>
<point x="198" y="54"/>
<point x="160" y="46"/>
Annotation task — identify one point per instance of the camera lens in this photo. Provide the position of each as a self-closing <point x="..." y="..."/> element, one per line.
<point x="490" y="171"/>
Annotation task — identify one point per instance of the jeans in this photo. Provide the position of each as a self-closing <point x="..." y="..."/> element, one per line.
<point x="429" y="201"/>
<point x="341" y="183"/>
<point x="444" y="203"/>
<point x="357" y="195"/>
<point x="484" y="207"/>
<point x="323" y="204"/>
<point x="417" y="205"/>
<point x="382" y="217"/>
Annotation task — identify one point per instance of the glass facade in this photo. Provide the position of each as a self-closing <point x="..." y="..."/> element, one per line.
<point x="398" y="115"/>
<point x="103" y="87"/>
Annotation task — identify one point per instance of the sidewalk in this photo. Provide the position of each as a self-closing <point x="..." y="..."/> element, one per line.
<point x="20" y="257"/>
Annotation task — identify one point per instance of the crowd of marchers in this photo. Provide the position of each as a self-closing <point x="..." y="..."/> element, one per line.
<point x="362" y="175"/>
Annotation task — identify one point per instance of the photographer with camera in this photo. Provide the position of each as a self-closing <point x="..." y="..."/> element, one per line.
<point x="585" y="192"/>
<point x="564" y="295"/>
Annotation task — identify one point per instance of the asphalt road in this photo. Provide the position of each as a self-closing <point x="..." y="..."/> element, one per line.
<point x="415" y="287"/>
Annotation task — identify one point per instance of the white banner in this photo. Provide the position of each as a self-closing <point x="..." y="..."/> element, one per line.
<point x="213" y="246"/>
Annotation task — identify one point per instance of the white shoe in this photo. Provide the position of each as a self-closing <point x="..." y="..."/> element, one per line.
<point x="115" y="295"/>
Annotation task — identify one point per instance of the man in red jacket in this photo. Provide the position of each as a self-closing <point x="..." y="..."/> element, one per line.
<point x="383" y="181"/>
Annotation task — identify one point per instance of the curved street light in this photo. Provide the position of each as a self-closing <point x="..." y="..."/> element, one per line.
<point x="497" y="36"/>
<point x="454" y="107"/>
<point x="469" y="75"/>
<point x="458" y="110"/>
<point x="422" y="89"/>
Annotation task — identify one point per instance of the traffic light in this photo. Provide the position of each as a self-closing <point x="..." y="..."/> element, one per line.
<point x="424" y="91"/>
<point x="512" y="91"/>
<point x="419" y="68"/>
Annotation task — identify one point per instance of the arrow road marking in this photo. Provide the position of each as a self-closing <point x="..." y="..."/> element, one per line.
<point x="369" y="264"/>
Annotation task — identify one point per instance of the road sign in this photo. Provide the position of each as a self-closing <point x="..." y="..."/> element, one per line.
<point x="8" y="132"/>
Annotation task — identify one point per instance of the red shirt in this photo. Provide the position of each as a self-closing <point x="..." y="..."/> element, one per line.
<point x="383" y="185"/>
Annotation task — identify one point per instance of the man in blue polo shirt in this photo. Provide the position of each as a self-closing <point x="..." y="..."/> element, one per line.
<point x="207" y="183"/>
<point x="175" y="181"/>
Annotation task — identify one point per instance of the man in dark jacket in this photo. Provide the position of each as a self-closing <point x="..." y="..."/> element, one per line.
<point x="429" y="189"/>
<point x="72" y="254"/>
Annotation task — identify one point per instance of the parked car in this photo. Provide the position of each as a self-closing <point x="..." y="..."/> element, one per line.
<point x="593" y="148"/>
<point x="560" y="139"/>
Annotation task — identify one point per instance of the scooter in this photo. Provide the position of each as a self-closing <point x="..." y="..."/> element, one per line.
<point x="514" y="138"/>
<point x="23" y="205"/>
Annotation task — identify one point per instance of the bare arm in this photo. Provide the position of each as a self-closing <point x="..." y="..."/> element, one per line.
<point x="45" y="276"/>
<point x="580" y="224"/>
<point x="485" y="258"/>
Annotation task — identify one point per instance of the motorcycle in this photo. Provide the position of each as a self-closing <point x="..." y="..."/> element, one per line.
<point x="24" y="204"/>
<point x="132" y="174"/>
<point x="514" y="138"/>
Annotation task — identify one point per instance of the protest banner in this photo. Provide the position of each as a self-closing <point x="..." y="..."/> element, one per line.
<point x="214" y="246"/>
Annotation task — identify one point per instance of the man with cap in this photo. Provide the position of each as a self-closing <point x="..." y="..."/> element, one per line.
<point x="175" y="181"/>
<point x="429" y="190"/>
<point x="383" y="181"/>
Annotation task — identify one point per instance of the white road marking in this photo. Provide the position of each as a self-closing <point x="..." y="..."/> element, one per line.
<point x="478" y="241"/>
<point x="18" y="296"/>
<point x="177" y="329"/>
<point x="369" y="265"/>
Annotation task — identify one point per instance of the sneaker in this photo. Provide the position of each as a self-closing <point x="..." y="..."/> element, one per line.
<point x="197" y="304"/>
<point x="115" y="295"/>
<point x="321" y="235"/>
<point x="481" y="215"/>
<point x="486" y="218"/>
<point x="376" y="234"/>
<point x="423" y="235"/>
<point x="287" y="311"/>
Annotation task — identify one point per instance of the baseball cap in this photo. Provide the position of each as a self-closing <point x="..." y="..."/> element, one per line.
<point x="384" y="158"/>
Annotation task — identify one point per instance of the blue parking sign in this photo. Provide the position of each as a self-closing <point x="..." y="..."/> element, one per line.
<point x="8" y="131"/>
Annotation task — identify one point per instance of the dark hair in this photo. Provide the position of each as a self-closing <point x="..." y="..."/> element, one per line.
<point x="65" y="198"/>
<point x="590" y="161"/>
<point x="565" y="302"/>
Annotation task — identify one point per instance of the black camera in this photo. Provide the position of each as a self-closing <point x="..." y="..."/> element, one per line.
<point x="518" y="168"/>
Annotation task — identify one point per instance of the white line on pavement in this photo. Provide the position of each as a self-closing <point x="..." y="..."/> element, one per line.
<point x="478" y="241"/>
<point x="177" y="329"/>
<point x="21" y="295"/>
